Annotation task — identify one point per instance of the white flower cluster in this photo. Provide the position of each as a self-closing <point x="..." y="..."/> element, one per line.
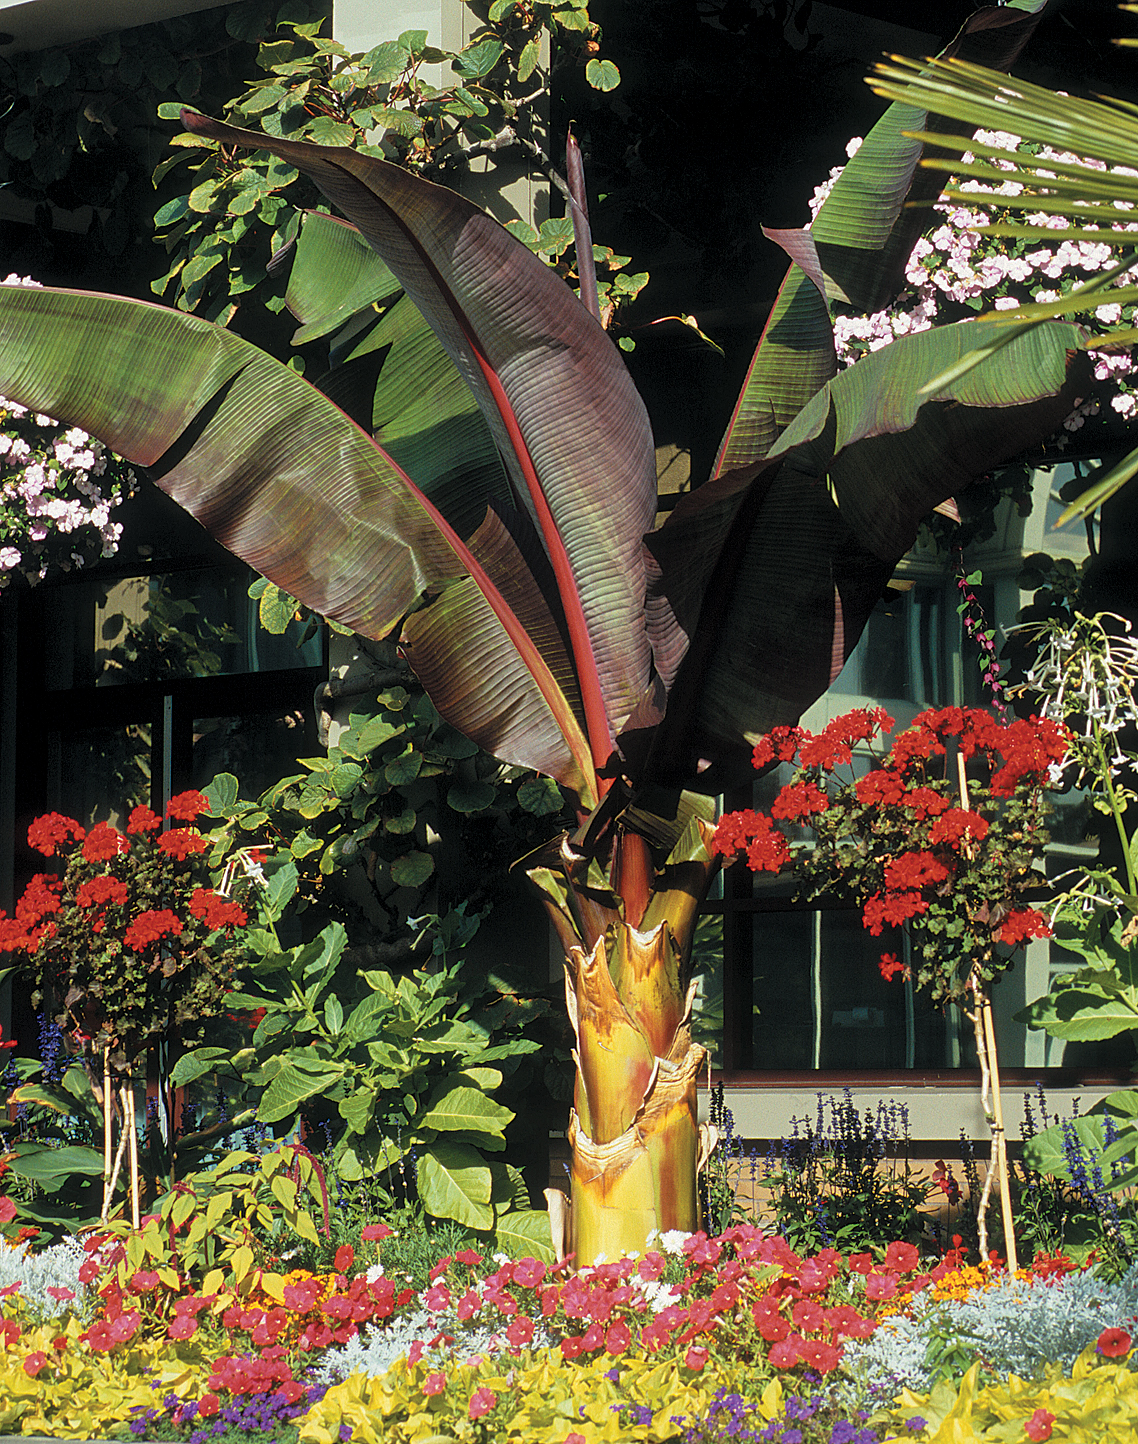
<point x="955" y="267"/>
<point x="57" y="486"/>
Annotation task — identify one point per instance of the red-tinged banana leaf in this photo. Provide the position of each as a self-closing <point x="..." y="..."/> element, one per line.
<point x="774" y="569"/>
<point x="277" y="474"/>
<point x="855" y="249"/>
<point x="390" y="372"/>
<point x="552" y="386"/>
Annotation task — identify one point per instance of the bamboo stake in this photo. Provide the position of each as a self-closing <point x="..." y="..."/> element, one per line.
<point x="999" y="1138"/>
<point x="118" y="1163"/>
<point x="985" y="1079"/>
<point x="108" y="1111"/>
<point x="135" y="1208"/>
<point x="993" y="1110"/>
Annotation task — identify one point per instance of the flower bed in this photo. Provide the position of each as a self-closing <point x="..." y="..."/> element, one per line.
<point x="701" y="1339"/>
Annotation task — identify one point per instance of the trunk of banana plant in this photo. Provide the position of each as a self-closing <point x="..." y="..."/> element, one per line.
<point x="633" y="1130"/>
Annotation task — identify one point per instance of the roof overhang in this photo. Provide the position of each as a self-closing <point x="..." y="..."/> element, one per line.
<point x="40" y="24"/>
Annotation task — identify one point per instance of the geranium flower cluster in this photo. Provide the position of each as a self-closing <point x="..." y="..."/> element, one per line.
<point x="904" y="841"/>
<point x="956" y="269"/>
<point x="133" y="938"/>
<point x="58" y="490"/>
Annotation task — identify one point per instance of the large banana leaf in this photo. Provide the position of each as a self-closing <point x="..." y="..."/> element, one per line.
<point x="286" y="481"/>
<point x="856" y="248"/>
<point x="390" y="372"/>
<point x="553" y="388"/>
<point x="774" y="569"/>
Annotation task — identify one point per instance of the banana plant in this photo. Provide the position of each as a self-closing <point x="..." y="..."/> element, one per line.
<point x="545" y="616"/>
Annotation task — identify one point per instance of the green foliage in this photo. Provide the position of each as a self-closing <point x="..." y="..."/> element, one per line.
<point x="69" y="134"/>
<point x="845" y="1180"/>
<point x="54" y="1150"/>
<point x="1097" y="1400"/>
<point x="239" y="211"/>
<point x="399" y="1070"/>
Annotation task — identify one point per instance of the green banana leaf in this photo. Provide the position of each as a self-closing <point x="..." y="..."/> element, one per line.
<point x="281" y="477"/>
<point x="856" y="248"/>
<point x="390" y="372"/>
<point x="552" y="387"/>
<point x="772" y="570"/>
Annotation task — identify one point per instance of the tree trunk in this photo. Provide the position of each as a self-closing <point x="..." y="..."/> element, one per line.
<point x="633" y="1128"/>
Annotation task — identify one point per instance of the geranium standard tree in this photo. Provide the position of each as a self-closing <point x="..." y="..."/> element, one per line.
<point x="133" y="942"/>
<point x="942" y="836"/>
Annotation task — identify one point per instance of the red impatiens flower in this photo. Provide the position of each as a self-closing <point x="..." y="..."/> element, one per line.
<point x="345" y="1257"/>
<point x="187" y="805"/>
<point x="33" y="1363"/>
<point x="149" y="926"/>
<point x="434" y="1384"/>
<point x="104" y="842"/>
<point x="901" y="1256"/>
<point x="1038" y="1427"/>
<point x="373" y="1232"/>
<point x="143" y="820"/>
<point x="51" y="831"/>
<point x="1113" y="1343"/>
<point x="180" y="842"/>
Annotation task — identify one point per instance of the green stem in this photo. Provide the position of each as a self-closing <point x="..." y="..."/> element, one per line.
<point x="1115" y="811"/>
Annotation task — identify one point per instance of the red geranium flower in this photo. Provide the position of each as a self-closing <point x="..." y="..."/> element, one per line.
<point x="215" y="911"/>
<point x="914" y="870"/>
<point x="889" y="966"/>
<point x="879" y="788"/>
<point x="97" y="891"/>
<point x="143" y="820"/>
<point x="50" y="831"/>
<point x="779" y="745"/>
<point x="187" y="805"/>
<point x="1022" y="924"/>
<point x="180" y="842"/>
<point x="104" y="842"/>
<point x="799" y="800"/>
<point x="149" y="926"/>
<point x="956" y="823"/>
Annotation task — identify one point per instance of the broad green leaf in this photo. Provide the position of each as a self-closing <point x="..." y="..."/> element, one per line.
<point x="276" y="473"/>
<point x="455" y="1183"/>
<point x="50" y="1168"/>
<point x="293" y="1086"/>
<point x="541" y="796"/>
<point x="335" y="274"/>
<point x="222" y="793"/>
<point x="1046" y="1152"/>
<point x="191" y="1066"/>
<point x="333" y="1015"/>
<point x="507" y="321"/>
<point x="774" y="569"/>
<point x="526" y="1234"/>
<point x="602" y="74"/>
<point x="484" y="1078"/>
<point x="1084" y="1007"/>
<point x="471" y="796"/>
<point x="478" y="60"/>
<point x="412" y="869"/>
<point x="465" y="1109"/>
